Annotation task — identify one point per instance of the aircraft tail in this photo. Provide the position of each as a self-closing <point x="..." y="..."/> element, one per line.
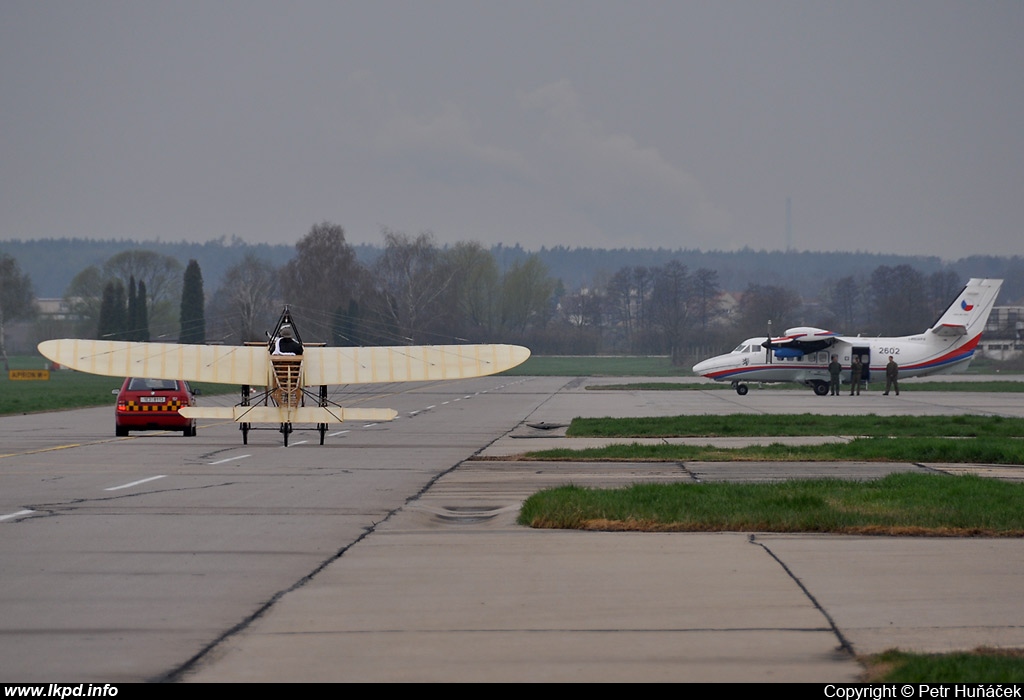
<point x="969" y="313"/>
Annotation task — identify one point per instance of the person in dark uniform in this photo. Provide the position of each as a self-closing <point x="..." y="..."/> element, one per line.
<point x="835" y="370"/>
<point x="855" y="372"/>
<point x="286" y="344"/>
<point x="892" y="373"/>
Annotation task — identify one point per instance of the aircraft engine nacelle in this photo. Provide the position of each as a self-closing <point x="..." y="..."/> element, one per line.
<point x="808" y="333"/>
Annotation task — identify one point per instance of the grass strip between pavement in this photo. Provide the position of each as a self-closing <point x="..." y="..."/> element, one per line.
<point x="898" y="504"/>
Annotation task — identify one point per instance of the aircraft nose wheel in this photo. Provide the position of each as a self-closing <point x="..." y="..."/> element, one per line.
<point x="286" y="428"/>
<point x="741" y="389"/>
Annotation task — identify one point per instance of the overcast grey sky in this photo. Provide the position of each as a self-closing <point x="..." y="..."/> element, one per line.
<point x="893" y="126"/>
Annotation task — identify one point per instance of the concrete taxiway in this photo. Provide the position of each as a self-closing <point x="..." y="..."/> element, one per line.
<point x="449" y="588"/>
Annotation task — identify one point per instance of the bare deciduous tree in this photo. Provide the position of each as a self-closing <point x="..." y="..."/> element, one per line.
<point x="321" y="279"/>
<point x="243" y="305"/>
<point x="412" y="278"/>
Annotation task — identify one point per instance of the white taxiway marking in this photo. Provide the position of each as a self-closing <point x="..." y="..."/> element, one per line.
<point x="135" y="483"/>
<point x="340" y="432"/>
<point x="20" y="513"/>
<point x="229" y="459"/>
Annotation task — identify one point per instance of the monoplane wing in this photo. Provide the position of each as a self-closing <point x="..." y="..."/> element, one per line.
<point x="224" y="364"/>
<point x="416" y="363"/>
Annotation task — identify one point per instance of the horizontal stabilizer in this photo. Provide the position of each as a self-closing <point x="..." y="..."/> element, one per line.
<point x="949" y="330"/>
<point x="281" y="414"/>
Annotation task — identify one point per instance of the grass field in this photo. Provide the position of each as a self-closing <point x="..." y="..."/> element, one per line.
<point x="956" y="439"/>
<point x="743" y="424"/>
<point x="899" y="504"/>
<point x="661" y="366"/>
<point x="872" y="449"/>
<point x="998" y="386"/>
<point x="599" y="366"/>
<point x="67" y="389"/>
<point x="978" y="666"/>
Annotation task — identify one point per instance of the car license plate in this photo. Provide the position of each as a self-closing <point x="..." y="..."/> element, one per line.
<point x="153" y="399"/>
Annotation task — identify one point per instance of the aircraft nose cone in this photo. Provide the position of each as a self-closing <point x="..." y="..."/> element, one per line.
<point x="703" y="367"/>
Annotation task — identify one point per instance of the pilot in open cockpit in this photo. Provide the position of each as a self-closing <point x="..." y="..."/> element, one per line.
<point x="286" y="344"/>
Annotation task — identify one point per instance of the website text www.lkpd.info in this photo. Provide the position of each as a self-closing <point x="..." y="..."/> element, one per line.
<point x="60" y="690"/>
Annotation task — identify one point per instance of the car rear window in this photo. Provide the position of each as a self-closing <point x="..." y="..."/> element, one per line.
<point x="137" y="384"/>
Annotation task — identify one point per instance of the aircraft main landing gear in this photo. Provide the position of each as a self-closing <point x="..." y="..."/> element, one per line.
<point x="244" y="427"/>
<point x="322" y="427"/>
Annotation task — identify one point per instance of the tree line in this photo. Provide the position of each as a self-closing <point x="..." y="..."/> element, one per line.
<point x="416" y="292"/>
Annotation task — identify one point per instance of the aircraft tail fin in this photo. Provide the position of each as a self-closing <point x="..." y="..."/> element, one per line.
<point x="969" y="313"/>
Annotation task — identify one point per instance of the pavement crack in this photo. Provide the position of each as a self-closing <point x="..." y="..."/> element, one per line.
<point x="844" y="644"/>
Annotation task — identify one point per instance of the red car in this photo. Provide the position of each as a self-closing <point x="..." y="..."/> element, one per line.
<point x="152" y="404"/>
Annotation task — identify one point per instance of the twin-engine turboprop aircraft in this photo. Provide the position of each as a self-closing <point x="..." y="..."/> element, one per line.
<point x="803" y="354"/>
<point x="286" y="368"/>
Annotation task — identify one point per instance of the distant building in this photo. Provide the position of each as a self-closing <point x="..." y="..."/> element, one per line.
<point x="1001" y="339"/>
<point x="55" y="309"/>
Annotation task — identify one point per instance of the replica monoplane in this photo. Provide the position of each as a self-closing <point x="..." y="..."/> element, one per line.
<point x="276" y="377"/>
<point x="803" y="354"/>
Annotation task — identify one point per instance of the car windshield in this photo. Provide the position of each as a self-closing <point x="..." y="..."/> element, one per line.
<point x="138" y="384"/>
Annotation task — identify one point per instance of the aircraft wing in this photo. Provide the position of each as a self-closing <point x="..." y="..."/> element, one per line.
<point x="365" y="365"/>
<point x="804" y="335"/>
<point x="223" y="364"/>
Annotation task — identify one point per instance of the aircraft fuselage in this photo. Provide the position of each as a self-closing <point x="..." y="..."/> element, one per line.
<point x="916" y="356"/>
<point x="803" y="354"/>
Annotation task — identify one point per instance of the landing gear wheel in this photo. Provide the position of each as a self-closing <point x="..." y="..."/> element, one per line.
<point x="741" y="389"/>
<point x="285" y="429"/>
<point x="322" y="427"/>
<point x="245" y="432"/>
<point x="821" y="388"/>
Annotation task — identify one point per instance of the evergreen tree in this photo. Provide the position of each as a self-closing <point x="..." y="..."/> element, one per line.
<point x="16" y="298"/>
<point x="133" y="311"/>
<point x="113" y="319"/>
<point x="193" y="319"/>
<point x="142" y="317"/>
<point x="120" y="313"/>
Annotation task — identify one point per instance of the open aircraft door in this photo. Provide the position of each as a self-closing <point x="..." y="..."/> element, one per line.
<point x="864" y="353"/>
